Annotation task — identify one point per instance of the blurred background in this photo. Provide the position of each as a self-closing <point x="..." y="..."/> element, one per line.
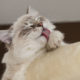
<point x="65" y="14"/>
<point x="55" y="10"/>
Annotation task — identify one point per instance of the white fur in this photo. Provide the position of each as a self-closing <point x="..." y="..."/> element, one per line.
<point x="25" y="49"/>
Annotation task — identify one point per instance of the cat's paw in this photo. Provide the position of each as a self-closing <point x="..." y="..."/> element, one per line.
<point x="55" y="40"/>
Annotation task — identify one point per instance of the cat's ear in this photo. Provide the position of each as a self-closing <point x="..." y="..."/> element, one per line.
<point x="32" y="12"/>
<point x="28" y="10"/>
<point x="5" y="37"/>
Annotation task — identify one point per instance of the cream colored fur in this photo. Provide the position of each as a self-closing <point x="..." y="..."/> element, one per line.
<point x="61" y="64"/>
<point x="22" y="61"/>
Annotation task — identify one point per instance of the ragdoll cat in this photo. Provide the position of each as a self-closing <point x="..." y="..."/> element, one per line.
<point x="29" y="37"/>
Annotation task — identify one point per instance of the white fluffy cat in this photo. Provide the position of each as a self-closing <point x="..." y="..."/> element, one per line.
<point x="29" y="37"/>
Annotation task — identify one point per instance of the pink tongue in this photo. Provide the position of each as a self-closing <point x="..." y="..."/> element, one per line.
<point x="46" y="33"/>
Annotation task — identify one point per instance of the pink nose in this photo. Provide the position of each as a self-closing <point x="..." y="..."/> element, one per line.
<point x="40" y="24"/>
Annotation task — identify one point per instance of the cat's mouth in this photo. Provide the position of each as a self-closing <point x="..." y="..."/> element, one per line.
<point x="45" y="32"/>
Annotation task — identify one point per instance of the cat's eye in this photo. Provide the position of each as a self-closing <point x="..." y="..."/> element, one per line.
<point x="26" y="23"/>
<point x="25" y="31"/>
<point x="37" y="25"/>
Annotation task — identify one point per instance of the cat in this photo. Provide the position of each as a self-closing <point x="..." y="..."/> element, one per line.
<point x="29" y="37"/>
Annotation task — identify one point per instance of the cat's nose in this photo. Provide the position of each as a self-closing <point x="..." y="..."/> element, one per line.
<point x="40" y="24"/>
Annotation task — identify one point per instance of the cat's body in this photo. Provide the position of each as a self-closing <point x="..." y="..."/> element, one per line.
<point x="25" y="43"/>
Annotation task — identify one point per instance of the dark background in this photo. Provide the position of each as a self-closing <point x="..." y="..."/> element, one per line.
<point x="70" y="29"/>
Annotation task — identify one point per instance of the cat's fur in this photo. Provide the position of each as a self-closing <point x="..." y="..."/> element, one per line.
<point x="25" y="42"/>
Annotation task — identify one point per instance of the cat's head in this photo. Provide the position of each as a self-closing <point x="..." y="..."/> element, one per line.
<point x="26" y="27"/>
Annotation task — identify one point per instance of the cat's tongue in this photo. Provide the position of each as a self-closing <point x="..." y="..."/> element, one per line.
<point x="46" y="33"/>
<point x="47" y="28"/>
